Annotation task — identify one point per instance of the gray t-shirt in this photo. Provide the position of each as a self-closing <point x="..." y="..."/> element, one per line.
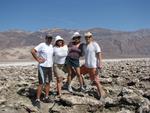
<point x="91" y="49"/>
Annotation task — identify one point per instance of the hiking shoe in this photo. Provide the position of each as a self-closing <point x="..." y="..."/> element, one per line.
<point x="37" y="103"/>
<point x="102" y="99"/>
<point x="82" y="89"/>
<point x="48" y="100"/>
<point x="98" y="97"/>
<point x="85" y="86"/>
<point x="65" y="86"/>
<point x="70" y="89"/>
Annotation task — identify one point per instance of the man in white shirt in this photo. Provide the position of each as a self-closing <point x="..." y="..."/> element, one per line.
<point x="93" y="62"/>
<point x="43" y="54"/>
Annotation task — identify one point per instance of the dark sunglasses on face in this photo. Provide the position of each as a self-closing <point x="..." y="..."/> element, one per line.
<point x="87" y="36"/>
<point x="49" y="38"/>
<point x="74" y="38"/>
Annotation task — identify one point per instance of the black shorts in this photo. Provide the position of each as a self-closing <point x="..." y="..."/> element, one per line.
<point x="44" y="74"/>
<point x="72" y="62"/>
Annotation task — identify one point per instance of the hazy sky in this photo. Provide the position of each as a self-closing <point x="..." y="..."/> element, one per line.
<point x="32" y="15"/>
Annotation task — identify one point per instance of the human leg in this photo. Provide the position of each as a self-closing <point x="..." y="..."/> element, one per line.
<point x="38" y="95"/>
<point x="69" y="74"/>
<point x="83" y="71"/>
<point x="77" y="69"/>
<point x="40" y="86"/>
<point x="47" y="79"/>
<point x="39" y="91"/>
<point x="41" y="82"/>
<point x="58" y="72"/>
<point x="69" y="69"/>
<point x="94" y="77"/>
<point x="59" y="85"/>
<point x="47" y="89"/>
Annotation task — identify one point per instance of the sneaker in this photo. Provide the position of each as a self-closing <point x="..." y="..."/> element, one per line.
<point x="84" y="86"/>
<point x="37" y="103"/>
<point x="70" y="89"/>
<point x="98" y="97"/>
<point x="65" y="86"/>
<point x="102" y="99"/>
<point x="82" y="89"/>
<point x="48" y="100"/>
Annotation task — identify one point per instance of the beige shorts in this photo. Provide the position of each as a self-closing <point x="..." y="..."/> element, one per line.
<point x="59" y="70"/>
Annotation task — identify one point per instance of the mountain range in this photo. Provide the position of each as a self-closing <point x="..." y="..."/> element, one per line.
<point x="114" y="44"/>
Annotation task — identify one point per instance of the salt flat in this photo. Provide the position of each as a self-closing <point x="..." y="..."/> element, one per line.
<point x="17" y="63"/>
<point x="23" y="63"/>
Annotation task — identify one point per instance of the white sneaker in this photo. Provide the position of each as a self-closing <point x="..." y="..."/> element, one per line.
<point x="70" y="89"/>
<point x="82" y="89"/>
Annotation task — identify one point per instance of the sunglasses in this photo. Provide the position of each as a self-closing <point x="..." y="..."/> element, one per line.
<point x="87" y="36"/>
<point x="49" y="38"/>
<point x="74" y="38"/>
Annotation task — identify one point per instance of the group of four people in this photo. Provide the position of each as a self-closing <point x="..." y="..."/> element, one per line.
<point x="59" y="56"/>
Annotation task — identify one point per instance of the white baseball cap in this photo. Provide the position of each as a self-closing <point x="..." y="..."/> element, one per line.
<point x="49" y="35"/>
<point x="76" y="34"/>
<point x="88" y="34"/>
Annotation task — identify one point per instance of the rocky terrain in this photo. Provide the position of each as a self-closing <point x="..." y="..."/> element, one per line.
<point x="126" y="82"/>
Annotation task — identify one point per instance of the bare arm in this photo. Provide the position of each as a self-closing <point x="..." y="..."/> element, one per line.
<point x="38" y="59"/>
<point x="99" y="58"/>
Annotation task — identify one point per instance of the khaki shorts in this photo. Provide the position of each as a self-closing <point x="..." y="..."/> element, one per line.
<point x="59" y="70"/>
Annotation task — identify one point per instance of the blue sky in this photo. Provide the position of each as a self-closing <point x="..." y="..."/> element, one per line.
<point x="32" y="15"/>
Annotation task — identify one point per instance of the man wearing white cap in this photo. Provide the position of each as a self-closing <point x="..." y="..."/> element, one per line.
<point x="60" y="53"/>
<point x="43" y="54"/>
<point x="93" y="61"/>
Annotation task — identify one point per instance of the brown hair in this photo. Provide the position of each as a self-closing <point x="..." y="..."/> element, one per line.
<point x="63" y="43"/>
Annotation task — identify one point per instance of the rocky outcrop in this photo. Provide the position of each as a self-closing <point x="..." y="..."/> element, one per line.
<point x="127" y="84"/>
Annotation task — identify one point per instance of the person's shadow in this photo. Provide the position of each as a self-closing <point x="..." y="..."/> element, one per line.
<point x="29" y="93"/>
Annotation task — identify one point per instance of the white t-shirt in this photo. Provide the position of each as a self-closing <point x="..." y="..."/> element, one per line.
<point x="90" y="54"/>
<point x="60" y="54"/>
<point x="45" y="51"/>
